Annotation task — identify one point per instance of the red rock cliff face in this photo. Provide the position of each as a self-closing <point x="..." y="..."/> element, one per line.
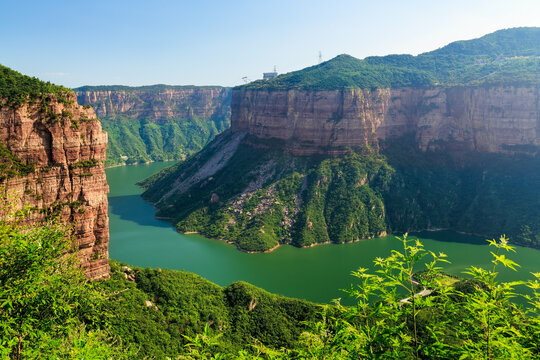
<point x="158" y="104"/>
<point x="67" y="146"/>
<point x="473" y="118"/>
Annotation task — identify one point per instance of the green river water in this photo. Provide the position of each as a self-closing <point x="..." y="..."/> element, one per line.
<point x="316" y="273"/>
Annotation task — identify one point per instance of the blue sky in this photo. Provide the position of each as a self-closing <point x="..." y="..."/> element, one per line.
<point x="210" y="42"/>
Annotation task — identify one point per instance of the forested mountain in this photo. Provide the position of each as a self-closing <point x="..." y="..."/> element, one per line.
<point x="509" y="56"/>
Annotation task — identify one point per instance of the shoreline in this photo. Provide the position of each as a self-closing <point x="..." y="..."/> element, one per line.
<point x="230" y="243"/>
<point x="330" y="242"/>
<point x="138" y="163"/>
<point x="279" y="244"/>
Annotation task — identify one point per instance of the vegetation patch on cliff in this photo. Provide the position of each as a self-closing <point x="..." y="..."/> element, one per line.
<point x="17" y="88"/>
<point x="12" y="166"/>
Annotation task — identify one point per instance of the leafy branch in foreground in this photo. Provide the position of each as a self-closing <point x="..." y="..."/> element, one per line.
<point x="441" y="317"/>
<point x="47" y="306"/>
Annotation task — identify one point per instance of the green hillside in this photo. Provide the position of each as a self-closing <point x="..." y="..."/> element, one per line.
<point x="16" y="88"/>
<point x="138" y="134"/>
<point x="139" y="140"/>
<point x="302" y="200"/>
<point x="505" y="56"/>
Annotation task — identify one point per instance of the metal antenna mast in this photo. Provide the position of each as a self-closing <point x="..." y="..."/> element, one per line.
<point x="320" y="57"/>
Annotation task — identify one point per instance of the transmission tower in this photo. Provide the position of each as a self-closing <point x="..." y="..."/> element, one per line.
<point x="320" y="57"/>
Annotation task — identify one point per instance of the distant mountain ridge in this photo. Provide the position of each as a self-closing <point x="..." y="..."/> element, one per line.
<point x="510" y="56"/>
<point x="156" y="87"/>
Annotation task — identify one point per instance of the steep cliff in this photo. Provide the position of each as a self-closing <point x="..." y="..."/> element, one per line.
<point x="156" y="123"/>
<point x="53" y="154"/>
<point x="485" y="119"/>
<point x="351" y="149"/>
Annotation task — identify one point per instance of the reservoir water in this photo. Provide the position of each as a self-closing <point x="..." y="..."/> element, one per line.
<point x="317" y="273"/>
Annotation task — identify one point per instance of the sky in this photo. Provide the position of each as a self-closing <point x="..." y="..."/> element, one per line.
<point x="219" y="42"/>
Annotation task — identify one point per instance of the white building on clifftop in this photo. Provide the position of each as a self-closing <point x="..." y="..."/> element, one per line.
<point x="270" y="75"/>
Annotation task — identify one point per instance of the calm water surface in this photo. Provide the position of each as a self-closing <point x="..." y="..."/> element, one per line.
<point x="316" y="274"/>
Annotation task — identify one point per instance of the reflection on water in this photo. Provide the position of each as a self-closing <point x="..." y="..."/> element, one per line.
<point x="316" y="273"/>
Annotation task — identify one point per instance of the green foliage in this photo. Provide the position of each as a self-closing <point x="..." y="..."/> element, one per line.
<point x="258" y="316"/>
<point x="45" y="300"/>
<point x="340" y="203"/>
<point x="509" y="56"/>
<point x="85" y="164"/>
<point x="17" y="89"/>
<point x="162" y="311"/>
<point x="11" y="166"/>
<point x="425" y="319"/>
<point x="180" y="304"/>
<point x="309" y="200"/>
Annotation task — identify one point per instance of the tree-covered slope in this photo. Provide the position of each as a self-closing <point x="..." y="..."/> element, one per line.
<point x="16" y="88"/>
<point x="506" y="56"/>
<point x="158" y="308"/>
<point x="158" y="122"/>
<point x="265" y="196"/>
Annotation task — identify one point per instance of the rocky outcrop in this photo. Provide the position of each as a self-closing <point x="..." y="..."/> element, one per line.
<point x="486" y="119"/>
<point x="156" y="102"/>
<point x="66" y="146"/>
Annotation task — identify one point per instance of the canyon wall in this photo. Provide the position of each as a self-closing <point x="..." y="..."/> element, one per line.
<point x="159" y="122"/>
<point x="156" y="102"/>
<point x="487" y="119"/>
<point x="65" y="146"/>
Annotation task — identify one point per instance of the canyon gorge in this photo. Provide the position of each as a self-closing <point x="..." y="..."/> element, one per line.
<point x="352" y="149"/>
<point x="158" y="122"/>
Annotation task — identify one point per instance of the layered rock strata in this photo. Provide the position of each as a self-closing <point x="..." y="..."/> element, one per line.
<point x="66" y="146"/>
<point x="158" y="122"/>
<point x="155" y="102"/>
<point x="486" y="119"/>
